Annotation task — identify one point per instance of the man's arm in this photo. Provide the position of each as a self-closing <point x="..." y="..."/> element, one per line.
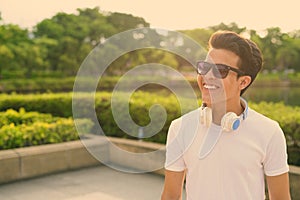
<point x="173" y="185"/>
<point x="279" y="187"/>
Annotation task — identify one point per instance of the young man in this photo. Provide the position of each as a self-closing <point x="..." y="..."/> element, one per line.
<point x="224" y="149"/>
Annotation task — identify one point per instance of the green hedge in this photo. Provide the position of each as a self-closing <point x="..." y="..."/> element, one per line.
<point x="49" y="84"/>
<point x="21" y="129"/>
<point x="59" y="104"/>
<point x="36" y="85"/>
<point x="65" y="84"/>
<point x="139" y="104"/>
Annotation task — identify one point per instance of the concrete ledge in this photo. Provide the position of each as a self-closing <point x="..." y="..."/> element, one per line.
<point x="34" y="161"/>
<point x="137" y="155"/>
<point x="29" y="162"/>
<point x="294" y="169"/>
<point x="9" y="166"/>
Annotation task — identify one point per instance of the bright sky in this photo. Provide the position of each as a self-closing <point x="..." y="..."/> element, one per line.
<point x="166" y="14"/>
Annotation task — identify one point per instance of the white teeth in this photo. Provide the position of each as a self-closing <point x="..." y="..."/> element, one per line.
<point x="210" y="87"/>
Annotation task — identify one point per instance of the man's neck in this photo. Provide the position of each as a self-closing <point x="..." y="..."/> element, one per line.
<point x="221" y="108"/>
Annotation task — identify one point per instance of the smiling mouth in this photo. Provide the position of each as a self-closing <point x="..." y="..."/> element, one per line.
<point x="210" y="87"/>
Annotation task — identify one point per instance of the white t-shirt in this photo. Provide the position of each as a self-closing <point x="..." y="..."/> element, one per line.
<point x="235" y="168"/>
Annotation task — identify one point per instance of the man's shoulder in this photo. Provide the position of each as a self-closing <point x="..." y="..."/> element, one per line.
<point x="194" y="114"/>
<point x="189" y="120"/>
<point x="259" y="116"/>
<point x="260" y="119"/>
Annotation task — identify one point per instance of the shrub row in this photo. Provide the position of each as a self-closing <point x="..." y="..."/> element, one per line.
<point x="36" y="85"/>
<point x="60" y="104"/>
<point x="49" y="84"/>
<point x="56" y="84"/>
<point x="139" y="105"/>
<point x="21" y="129"/>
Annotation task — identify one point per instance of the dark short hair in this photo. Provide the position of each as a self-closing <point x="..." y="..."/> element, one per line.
<point x="250" y="55"/>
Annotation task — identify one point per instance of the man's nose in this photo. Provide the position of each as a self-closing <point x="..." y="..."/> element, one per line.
<point x="209" y="74"/>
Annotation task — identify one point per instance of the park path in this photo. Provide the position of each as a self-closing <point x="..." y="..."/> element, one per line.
<point x="95" y="183"/>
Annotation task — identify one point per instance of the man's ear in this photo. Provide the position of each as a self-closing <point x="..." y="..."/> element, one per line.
<point x="244" y="81"/>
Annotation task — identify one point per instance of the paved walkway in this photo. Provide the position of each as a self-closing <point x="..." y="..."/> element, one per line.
<point x="96" y="183"/>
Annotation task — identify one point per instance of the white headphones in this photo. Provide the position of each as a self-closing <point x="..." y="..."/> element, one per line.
<point x="230" y="121"/>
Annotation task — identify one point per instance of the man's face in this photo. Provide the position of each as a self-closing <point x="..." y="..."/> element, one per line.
<point x="215" y="90"/>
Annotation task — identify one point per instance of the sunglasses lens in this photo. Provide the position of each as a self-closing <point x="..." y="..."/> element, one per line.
<point x="203" y="68"/>
<point x="220" y="71"/>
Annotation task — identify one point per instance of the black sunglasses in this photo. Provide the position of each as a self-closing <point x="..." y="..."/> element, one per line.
<point x="219" y="70"/>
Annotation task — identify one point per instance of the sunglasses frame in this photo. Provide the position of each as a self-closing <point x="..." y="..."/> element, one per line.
<point x="215" y="69"/>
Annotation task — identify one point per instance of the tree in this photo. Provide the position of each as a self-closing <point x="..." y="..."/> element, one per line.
<point x="68" y="60"/>
<point x="271" y="44"/>
<point x="77" y="34"/>
<point x="287" y="54"/>
<point x="199" y="35"/>
<point x="12" y="37"/>
<point x="6" y="56"/>
<point x="98" y="25"/>
<point x="231" y="27"/>
<point x="124" y="22"/>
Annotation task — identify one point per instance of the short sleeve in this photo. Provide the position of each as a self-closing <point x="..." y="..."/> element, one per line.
<point x="174" y="152"/>
<point x="275" y="162"/>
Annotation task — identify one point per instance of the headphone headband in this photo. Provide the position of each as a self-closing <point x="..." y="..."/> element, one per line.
<point x="245" y="106"/>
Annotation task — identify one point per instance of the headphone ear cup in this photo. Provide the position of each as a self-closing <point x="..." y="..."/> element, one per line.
<point x="230" y="121"/>
<point x="206" y="116"/>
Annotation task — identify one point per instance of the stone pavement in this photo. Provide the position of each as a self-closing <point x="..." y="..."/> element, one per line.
<point x="95" y="183"/>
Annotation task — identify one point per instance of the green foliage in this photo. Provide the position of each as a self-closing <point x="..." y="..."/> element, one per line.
<point x="52" y="82"/>
<point x="230" y="27"/>
<point x="36" y="85"/>
<point x="21" y="129"/>
<point x="60" y="105"/>
<point x="49" y="84"/>
<point x="199" y="35"/>
<point x="280" y="50"/>
<point x="22" y="117"/>
<point x="77" y="34"/>
<point x="60" y="44"/>
<point x="56" y="104"/>
<point x="139" y="106"/>
<point x="19" y="51"/>
<point x="123" y="22"/>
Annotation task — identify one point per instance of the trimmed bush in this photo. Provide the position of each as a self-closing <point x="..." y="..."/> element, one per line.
<point x="55" y="83"/>
<point x="37" y="85"/>
<point x="49" y="84"/>
<point x="21" y="129"/>
<point x="60" y="105"/>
